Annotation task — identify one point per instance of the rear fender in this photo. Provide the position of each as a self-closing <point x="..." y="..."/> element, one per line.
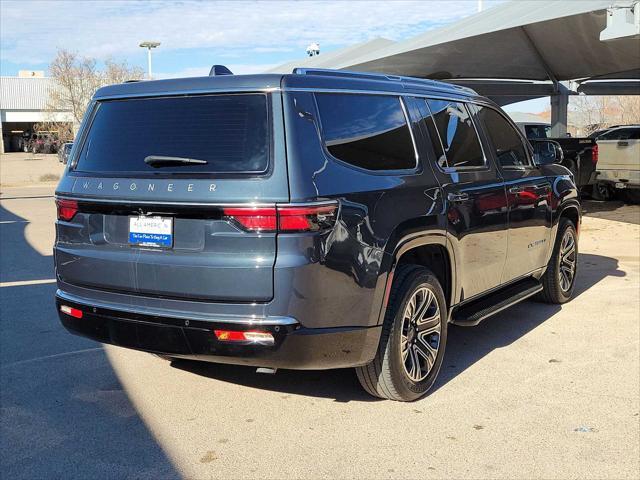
<point x="401" y="242"/>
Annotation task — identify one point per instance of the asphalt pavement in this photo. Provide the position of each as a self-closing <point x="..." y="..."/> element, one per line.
<point x="538" y="391"/>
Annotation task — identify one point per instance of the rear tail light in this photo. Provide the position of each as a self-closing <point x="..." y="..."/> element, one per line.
<point x="262" y="219"/>
<point x="74" y="312"/>
<point x="594" y="154"/>
<point x="284" y="218"/>
<point x="238" y="336"/>
<point x="67" y="209"/>
<point x="306" y="219"/>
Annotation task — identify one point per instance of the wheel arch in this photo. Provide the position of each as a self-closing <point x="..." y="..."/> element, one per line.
<point x="571" y="211"/>
<point x="430" y="250"/>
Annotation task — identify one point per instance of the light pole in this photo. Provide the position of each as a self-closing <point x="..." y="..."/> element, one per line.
<point x="149" y="45"/>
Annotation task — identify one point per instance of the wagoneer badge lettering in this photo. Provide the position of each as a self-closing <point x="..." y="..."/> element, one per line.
<point x="151" y="187"/>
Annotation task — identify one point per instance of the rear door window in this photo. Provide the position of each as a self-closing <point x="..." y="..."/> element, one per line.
<point x="506" y="141"/>
<point x="367" y="131"/>
<point x="459" y="140"/>
<point x="190" y="134"/>
<point x="537" y="131"/>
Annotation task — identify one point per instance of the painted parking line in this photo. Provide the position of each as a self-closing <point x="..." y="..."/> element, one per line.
<point x="23" y="283"/>
<point x="51" y="357"/>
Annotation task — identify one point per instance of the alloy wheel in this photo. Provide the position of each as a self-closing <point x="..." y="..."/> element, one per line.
<point x="420" y="338"/>
<point x="568" y="260"/>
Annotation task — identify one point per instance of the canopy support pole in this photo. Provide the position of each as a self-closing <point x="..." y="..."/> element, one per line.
<point x="559" y="111"/>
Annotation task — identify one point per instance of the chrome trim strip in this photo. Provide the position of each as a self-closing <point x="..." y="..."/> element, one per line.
<point x="276" y="320"/>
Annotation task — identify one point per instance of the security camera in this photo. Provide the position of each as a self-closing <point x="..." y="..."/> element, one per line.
<point x="313" y="49"/>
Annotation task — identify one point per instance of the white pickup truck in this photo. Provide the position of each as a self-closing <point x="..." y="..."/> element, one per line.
<point x="618" y="168"/>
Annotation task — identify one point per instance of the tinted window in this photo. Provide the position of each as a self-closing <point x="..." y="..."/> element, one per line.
<point x="228" y="132"/>
<point x="505" y="139"/>
<point x="458" y="136"/>
<point x="621" y="134"/>
<point x="368" y="131"/>
<point x="537" y="131"/>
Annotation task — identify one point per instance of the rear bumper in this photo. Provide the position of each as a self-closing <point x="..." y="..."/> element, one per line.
<point x="295" y="347"/>
<point x="628" y="178"/>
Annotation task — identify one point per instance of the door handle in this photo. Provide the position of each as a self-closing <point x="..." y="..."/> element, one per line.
<point x="542" y="186"/>
<point x="458" y="197"/>
<point x="516" y="190"/>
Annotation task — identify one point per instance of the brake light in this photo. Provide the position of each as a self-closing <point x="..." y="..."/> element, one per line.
<point x="306" y="219"/>
<point x="74" y="312"/>
<point x="261" y="219"/>
<point x="594" y="154"/>
<point x="284" y="218"/>
<point x="252" y="336"/>
<point x="67" y="209"/>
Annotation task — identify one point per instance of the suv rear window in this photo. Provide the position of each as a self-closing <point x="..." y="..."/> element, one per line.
<point x="367" y="131"/>
<point x="222" y="133"/>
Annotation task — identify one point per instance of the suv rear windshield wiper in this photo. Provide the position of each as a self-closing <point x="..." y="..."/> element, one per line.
<point x="160" y="161"/>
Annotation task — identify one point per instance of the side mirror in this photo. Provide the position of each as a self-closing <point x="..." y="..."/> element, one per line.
<point x="546" y="152"/>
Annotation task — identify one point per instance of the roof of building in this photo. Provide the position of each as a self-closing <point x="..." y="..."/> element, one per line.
<point x="31" y="93"/>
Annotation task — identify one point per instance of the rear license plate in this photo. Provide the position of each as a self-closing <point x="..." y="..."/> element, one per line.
<point x="621" y="185"/>
<point x="151" y="231"/>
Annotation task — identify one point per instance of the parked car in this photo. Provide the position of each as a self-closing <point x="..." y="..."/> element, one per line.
<point x="41" y="142"/>
<point x="315" y="220"/>
<point x="64" y="151"/>
<point x="619" y="165"/>
<point x="580" y="154"/>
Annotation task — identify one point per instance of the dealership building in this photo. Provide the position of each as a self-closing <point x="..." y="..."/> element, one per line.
<point x="23" y="104"/>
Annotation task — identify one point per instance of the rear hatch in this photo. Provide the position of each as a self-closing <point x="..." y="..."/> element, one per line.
<point x="147" y="205"/>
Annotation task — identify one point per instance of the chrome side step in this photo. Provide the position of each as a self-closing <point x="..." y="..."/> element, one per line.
<point x="476" y="311"/>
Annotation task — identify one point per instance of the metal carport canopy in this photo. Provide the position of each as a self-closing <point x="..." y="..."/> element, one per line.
<point x="532" y="40"/>
<point x="508" y="53"/>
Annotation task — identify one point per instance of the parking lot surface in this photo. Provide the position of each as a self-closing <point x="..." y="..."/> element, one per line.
<point x="538" y="391"/>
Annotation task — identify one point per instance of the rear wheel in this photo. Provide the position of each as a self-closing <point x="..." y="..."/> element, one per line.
<point x="602" y="191"/>
<point x="559" y="279"/>
<point x="413" y="338"/>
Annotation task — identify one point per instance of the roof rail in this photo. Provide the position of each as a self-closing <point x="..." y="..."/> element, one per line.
<point x="381" y="76"/>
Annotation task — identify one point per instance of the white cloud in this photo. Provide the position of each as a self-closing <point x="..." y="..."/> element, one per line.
<point x="30" y="32"/>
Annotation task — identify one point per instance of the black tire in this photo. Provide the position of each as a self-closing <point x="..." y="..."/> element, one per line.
<point x="601" y="191"/>
<point x="555" y="287"/>
<point x="631" y="196"/>
<point x="387" y="375"/>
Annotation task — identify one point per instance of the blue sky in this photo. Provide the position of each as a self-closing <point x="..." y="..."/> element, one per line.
<point x="249" y="37"/>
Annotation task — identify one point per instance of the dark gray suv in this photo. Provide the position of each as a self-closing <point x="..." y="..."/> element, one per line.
<point x="315" y="220"/>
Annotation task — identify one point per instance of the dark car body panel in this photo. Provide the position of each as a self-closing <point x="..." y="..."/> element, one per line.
<point x="324" y="291"/>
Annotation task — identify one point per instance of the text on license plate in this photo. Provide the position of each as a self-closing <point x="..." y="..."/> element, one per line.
<point x="151" y="231"/>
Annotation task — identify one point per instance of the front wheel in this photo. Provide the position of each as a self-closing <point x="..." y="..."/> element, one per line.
<point x="559" y="280"/>
<point x="413" y="338"/>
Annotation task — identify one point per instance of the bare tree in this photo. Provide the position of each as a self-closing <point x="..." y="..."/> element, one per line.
<point x="77" y="78"/>
<point x="589" y="113"/>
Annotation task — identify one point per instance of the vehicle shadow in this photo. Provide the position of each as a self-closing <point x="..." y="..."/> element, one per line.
<point x="63" y="411"/>
<point x="611" y="210"/>
<point x="465" y="346"/>
<point x="19" y="261"/>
